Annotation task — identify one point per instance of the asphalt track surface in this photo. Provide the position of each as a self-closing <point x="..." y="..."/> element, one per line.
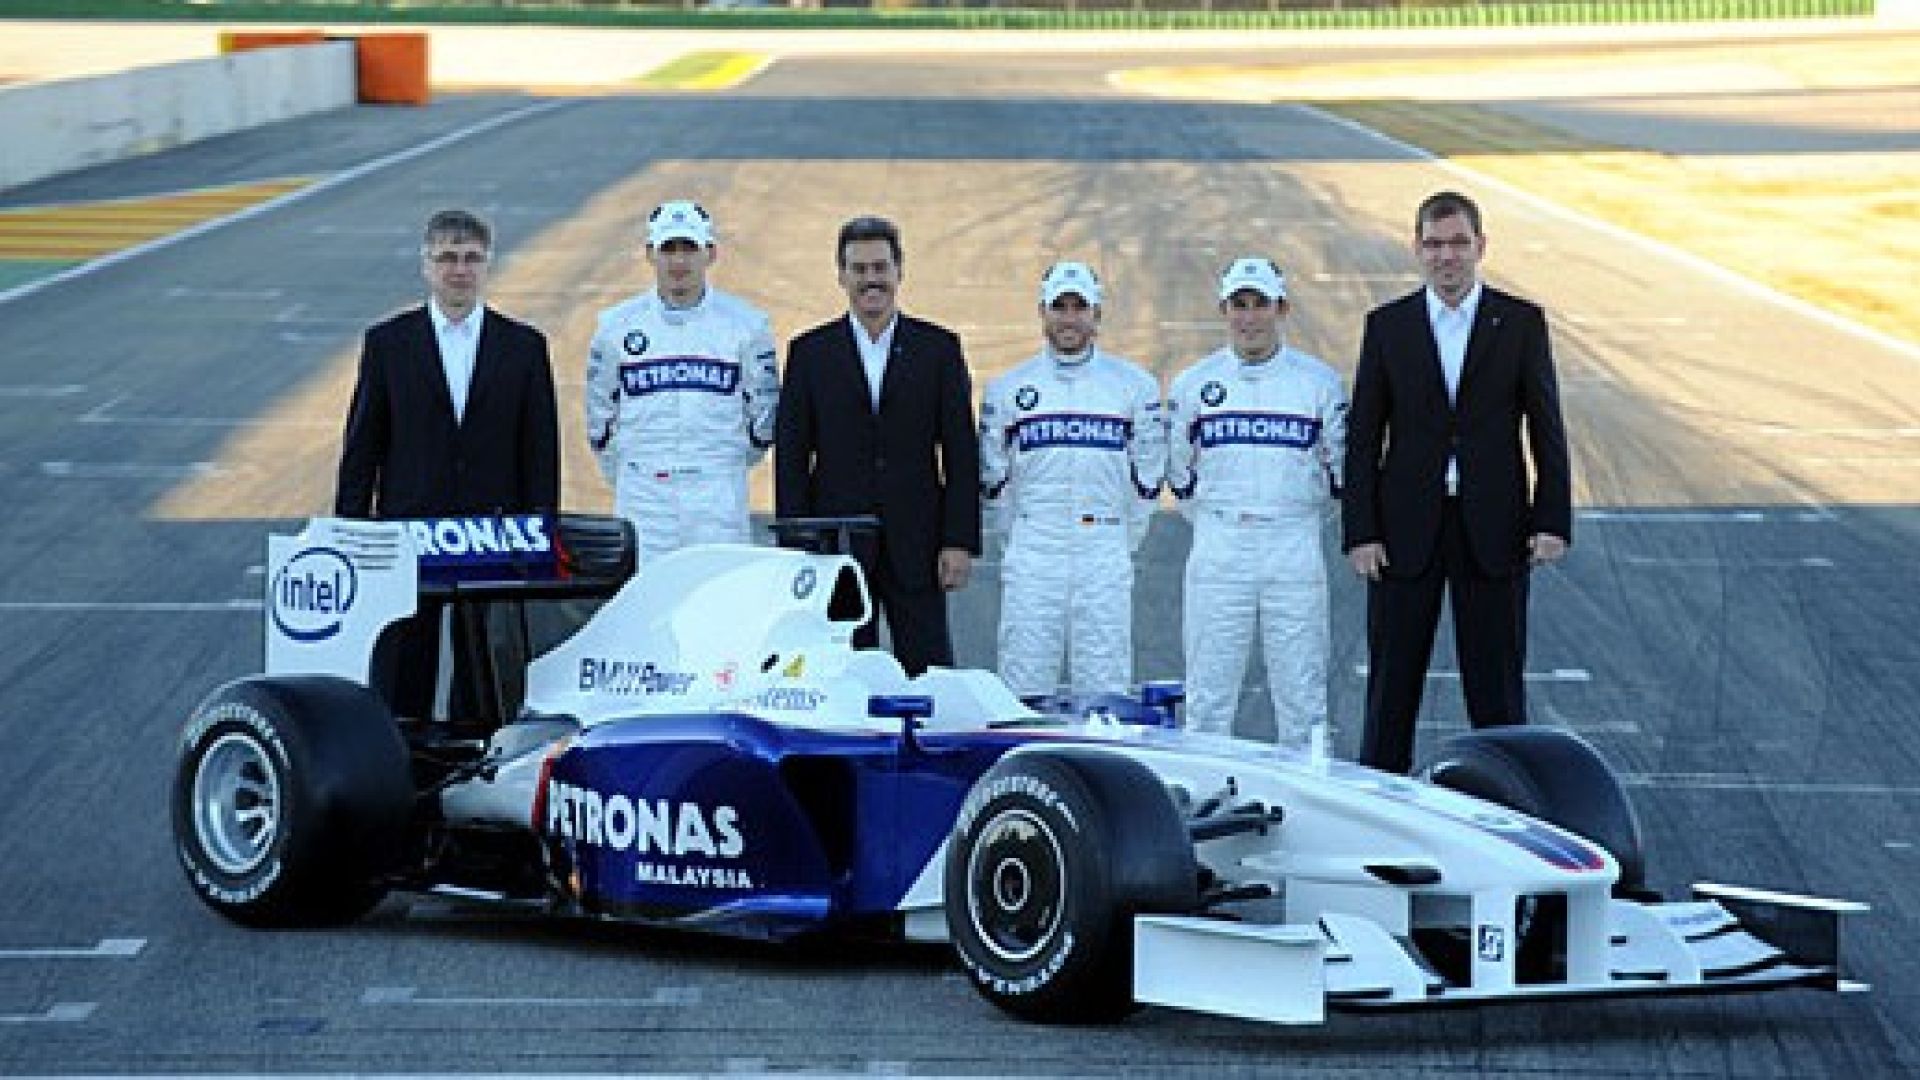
<point x="1733" y="629"/>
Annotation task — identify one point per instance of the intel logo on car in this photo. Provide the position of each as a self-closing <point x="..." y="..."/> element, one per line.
<point x="311" y="593"/>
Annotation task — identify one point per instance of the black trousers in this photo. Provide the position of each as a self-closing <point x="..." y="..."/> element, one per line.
<point x="1489" y="633"/>
<point x="916" y="617"/>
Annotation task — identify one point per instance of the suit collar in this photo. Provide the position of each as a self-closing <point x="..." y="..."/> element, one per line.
<point x="1470" y="303"/>
<point x="485" y="360"/>
<point x="1487" y="324"/>
<point x="894" y="339"/>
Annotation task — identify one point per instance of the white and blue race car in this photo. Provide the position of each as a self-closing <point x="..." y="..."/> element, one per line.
<point x="709" y="751"/>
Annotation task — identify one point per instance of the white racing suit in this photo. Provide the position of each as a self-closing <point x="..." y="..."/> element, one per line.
<point x="1255" y="457"/>
<point x="680" y="404"/>
<point x="1071" y="460"/>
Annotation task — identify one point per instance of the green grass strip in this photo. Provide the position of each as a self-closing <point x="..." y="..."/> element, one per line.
<point x="21" y="271"/>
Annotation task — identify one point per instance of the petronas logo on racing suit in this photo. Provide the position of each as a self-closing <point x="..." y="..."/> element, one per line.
<point x="674" y="373"/>
<point x="1070" y="429"/>
<point x="1258" y="429"/>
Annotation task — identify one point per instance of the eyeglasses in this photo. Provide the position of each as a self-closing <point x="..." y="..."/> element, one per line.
<point x="1450" y="243"/>
<point x="450" y="259"/>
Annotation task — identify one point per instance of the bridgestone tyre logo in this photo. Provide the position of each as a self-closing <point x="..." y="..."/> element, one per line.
<point x="1033" y="787"/>
<point x="254" y="883"/>
<point x="1030" y="983"/>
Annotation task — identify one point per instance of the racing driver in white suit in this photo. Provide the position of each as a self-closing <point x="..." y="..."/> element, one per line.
<point x="681" y="390"/>
<point x="1072" y="455"/>
<point x="1258" y="437"/>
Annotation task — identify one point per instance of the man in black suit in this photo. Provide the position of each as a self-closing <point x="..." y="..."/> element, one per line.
<point x="1437" y="497"/>
<point x="453" y="414"/>
<point x="876" y="417"/>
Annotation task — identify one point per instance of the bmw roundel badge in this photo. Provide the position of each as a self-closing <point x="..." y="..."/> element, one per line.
<point x="635" y="343"/>
<point x="1213" y="393"/>
<point x="1027" y="397"/>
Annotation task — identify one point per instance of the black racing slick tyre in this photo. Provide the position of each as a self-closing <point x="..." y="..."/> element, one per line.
<point x="291" y="801"/>
<point x="1555" y="776"/>
<point x="1051" y="856"/>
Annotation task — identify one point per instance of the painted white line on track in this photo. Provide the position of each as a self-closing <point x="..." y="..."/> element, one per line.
<point x="128" y="470"/>
<point x="1390" y="279"/>
<point x="348" y="176"/>
<point x="1734" y="782"/>
<point x="245" y="296"/>
<point x="1675" y="517"/>
<point x="1901" y="346"/>
<point x="134" y="607"/>
<point x="1625" y="728"/>
<point x="1862" y="461"/>
<point x="35" y="392"/>
<point x="1558" y="675"/>
<point x="1783" y="431"/>
<point x="104" y="949"/>
<point x="103" y="414"/>
<point x="362" y="230"/>
<point x="1628" y="320"/>
<point x="990" y="328"/>
<point x="1807" y="562"/>
<point x="566" y="292"/>
<point x="66" y="1012"/>
<point x="296" y="315"/>
<point x="666" y="997"/>
<point x="1897" y="845"/>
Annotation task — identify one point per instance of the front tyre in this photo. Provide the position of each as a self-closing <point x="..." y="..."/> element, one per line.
<point x="1051" y="857"/>
<point x="1558" y="777"/>
<point x="291" y="801"/>
<point x="1550" y="774"/>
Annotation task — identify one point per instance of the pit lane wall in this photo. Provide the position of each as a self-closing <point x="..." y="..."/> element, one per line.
<point x="54" y="127"/>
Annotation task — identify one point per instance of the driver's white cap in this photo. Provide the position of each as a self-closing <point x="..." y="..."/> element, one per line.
<point x="1258" y="274"/>
<point x="679" y="219"/>
<point x="1063" y="278"/>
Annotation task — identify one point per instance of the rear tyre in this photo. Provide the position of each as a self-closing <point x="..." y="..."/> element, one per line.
<point x="1051" y="857"/>
<point x="291" y="801"/>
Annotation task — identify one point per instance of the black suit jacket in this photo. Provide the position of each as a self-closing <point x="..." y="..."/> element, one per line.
<point x="915" y="463"/>
<point x="403" y="453"/>
<point x="1401" y="430"/>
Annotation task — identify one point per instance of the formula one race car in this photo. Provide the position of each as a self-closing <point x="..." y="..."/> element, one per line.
<point x="708" y="751"/>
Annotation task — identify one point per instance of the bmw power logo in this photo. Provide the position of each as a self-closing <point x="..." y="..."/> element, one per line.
<point x="1213" y="393"/>
<point x="635" y="343"/>
<point x="1027" y="397"/>
<point x="804" y="582"/>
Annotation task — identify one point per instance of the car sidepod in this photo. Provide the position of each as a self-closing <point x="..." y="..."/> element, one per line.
<point x="732" y="825"/>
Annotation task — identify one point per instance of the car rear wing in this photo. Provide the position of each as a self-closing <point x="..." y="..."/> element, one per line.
<point x="336" y="585"/>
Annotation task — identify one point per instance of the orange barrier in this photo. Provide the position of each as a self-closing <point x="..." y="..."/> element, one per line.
<point x="393" y="69"/>
<point x="233" y="41"/>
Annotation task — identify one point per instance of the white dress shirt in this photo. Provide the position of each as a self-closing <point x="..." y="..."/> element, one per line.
<point x="1452" y="326"/>
<point x="459" y="343"/>
<point x="874" y="352"/>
